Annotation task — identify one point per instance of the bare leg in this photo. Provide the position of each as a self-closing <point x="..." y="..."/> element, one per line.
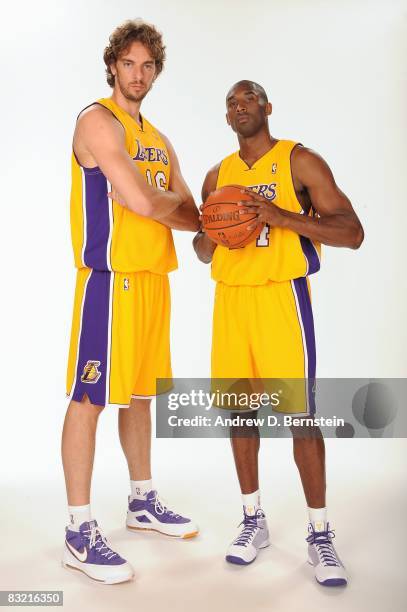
<point x="245" y="442"/>
<point x="135" y="438"/>
<point x="78" y="449"/>
<point x="309" y="455"/>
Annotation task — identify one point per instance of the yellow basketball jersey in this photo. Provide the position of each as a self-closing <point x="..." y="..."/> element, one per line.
<point x="278" y="254"/>
<point x="106" y="235"/>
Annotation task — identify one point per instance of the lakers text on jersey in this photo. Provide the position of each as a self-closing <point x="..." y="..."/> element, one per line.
<point x="263" y="326"/>
<point x="120" y="326"/>
<point x="108" y="236"/>
<point x="278" y="253"/>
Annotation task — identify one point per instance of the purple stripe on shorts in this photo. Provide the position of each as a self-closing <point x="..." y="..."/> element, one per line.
<point x="304" y="303"/>
<point x="311" y="254"/>
<point x="97" y="219"/>
<point x="93" y="343"/>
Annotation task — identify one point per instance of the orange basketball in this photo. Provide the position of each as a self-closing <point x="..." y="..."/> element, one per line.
<point x="225" y="222"/>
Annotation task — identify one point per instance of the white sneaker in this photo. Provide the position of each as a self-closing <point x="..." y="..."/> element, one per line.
<point x="87" y="550"/>
<point x="254" y="535"/>
<point x="329" y="569"/>
<point x="151" y="514"/>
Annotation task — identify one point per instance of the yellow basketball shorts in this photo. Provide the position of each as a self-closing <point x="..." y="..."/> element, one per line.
<point x="120" y="336"/>
<point x="266" y="332"/>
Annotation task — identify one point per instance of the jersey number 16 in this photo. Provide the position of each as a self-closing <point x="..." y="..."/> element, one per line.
<point x="159" y="180"/>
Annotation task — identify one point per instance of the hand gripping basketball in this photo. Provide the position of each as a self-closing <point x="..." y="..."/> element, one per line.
<point x="227" y="223"/>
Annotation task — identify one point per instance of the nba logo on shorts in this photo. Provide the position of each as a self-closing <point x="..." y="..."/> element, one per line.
<point x="126" y="284"/>
<point x="91" y="373"/>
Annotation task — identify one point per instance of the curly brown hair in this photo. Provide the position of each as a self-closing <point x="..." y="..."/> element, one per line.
<point x="121" y="39"/>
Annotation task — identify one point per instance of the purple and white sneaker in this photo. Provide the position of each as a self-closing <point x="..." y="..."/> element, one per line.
<point x="87" y="550"/>
<point x="329" y="569"/>
<point x="151" y="514"/>
<point x="254" y="535"/>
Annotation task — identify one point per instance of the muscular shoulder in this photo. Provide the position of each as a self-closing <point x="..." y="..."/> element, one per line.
<point x="213" y="172"/>
<point x="97" y="117"/>
<point x="306" y="165"/>
<point x="210" y="181"/>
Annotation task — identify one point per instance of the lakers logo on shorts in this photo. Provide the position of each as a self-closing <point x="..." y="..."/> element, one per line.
<point x="91" y="373"/>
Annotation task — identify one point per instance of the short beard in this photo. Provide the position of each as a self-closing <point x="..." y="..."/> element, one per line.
<point x="130" y="96"/>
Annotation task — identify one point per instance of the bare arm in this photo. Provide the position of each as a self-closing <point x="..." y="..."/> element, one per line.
<point x="336" y="224"/>
<point x="186" y="216"/>
<point x="101" y="137"/>
<point x="204" y="246"/>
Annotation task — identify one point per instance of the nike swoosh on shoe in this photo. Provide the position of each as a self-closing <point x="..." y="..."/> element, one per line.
<point x="81" y="556"/>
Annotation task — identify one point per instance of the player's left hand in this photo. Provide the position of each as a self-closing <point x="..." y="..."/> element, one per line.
<point x="266" y="211"/>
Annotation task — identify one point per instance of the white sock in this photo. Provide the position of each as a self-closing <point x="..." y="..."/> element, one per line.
<point x="140" y="488"/>
<point x="78" y="515"/>
<point x="251" y="502"/>
<point x="317" y="517"/>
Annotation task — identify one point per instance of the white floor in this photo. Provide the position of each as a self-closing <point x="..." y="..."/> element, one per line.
<point x="366" y="502"/>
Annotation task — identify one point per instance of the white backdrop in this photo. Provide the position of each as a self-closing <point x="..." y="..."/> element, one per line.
<point x="335" y="75"/>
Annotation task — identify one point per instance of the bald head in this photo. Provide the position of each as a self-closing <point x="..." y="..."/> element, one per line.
<point x="247" y="109"/>
<point x="250" y="86"/>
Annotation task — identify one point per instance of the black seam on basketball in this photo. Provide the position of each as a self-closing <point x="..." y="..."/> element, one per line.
<point x="227" y="202"/>
<point x="229" y="226"/>
<point x="249" y="236"/>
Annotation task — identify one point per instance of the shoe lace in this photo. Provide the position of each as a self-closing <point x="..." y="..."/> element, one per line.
<point x="96" y="538"/>
<point x="248" y="532"/>
<point x="324" y="546"/>
<point x="160" y="507"/>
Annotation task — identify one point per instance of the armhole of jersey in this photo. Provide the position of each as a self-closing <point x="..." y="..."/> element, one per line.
<point x="293" y="192"/>
<point x="88" y="106"/>
<point x="110" y="110"/>
<point x="73" y="150"/>
<point x="217" y="178"/>
<point x="219" y="169"/>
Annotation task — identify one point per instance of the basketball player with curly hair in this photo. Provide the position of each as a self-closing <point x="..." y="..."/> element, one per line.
<point x="127" y="195"/>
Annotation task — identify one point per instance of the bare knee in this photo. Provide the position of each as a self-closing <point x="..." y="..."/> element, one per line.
<point x="246" y="427"/>
<point x="307" y="441"/>
<point x="84" y="408"/>
<point x="305" y="432"/>
<point x="140" y="404"/>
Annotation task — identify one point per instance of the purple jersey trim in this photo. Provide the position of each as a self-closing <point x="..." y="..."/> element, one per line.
<point x="305" y="315"/>
<point x="311" y="255"/>
<point x="94" y="338"/>
<point x="98" y="216"/>
<point x="96" y="253"/>
<point x="307" y="245"/>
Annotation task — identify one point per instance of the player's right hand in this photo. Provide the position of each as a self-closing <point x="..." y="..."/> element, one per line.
<point x="115" y="195"/>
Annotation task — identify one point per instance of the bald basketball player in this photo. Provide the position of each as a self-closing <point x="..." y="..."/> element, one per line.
<point x="127" y="194"/>
<point x="263" y="322"/>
